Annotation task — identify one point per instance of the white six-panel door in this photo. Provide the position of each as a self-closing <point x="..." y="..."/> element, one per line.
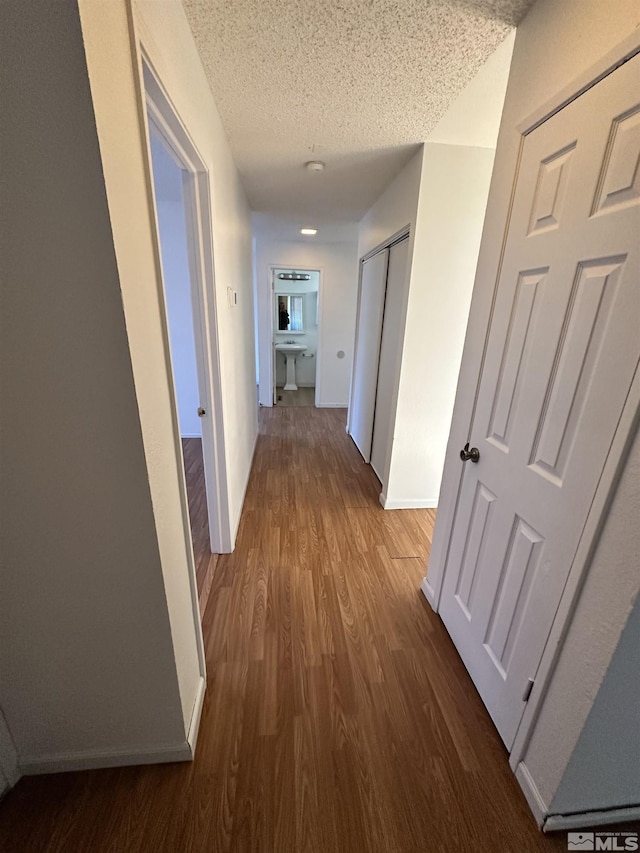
<point x="562" y="351"/>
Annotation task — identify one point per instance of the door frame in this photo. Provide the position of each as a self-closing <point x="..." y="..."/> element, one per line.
<point x="161" y="116"/>
<point x="272" y="361"/>
<point x="397" y="237"/>
<point x="478" y="331"/>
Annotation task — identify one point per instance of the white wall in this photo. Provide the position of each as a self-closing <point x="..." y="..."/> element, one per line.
<point x="99" y="627"/>
<point x="338" y="290"/>
<point x="115" y="86"/>
<point x="167" y="178"/>
<point x="474" y="117"/>
<point x="87" y="660"/>
<point x="453" y="194"/>
<point x="173" y="53"/>
<point x="557" y="41"/>
<point x="395" y="209"/>
<point x="441" y="194"/>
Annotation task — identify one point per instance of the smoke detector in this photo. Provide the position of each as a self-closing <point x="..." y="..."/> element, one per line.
<point x="314" y="166"/>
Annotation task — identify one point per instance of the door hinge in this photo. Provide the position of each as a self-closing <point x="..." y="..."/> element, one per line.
<point x="527" y="690"/>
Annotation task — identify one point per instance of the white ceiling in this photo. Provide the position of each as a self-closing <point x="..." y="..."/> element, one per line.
<point x="355" y="83"/>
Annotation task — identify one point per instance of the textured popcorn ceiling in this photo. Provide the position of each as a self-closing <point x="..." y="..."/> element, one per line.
<point x="355" y="83"/>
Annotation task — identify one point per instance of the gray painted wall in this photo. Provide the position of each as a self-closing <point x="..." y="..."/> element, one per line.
<point x="86" y="656"/>
<point x="604" y="770"/>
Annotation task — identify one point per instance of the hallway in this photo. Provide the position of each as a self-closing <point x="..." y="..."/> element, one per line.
<point x="338" y="716"/>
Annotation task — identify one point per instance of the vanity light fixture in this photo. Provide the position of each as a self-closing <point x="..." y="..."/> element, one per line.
<point x="309" y="231"/>
<point x="294" y="276"/>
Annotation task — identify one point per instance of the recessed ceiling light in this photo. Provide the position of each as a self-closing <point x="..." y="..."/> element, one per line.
<point x="310" y="231"/>
<point x="314" y="166"/>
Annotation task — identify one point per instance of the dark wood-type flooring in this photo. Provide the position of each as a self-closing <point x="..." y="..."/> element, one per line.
<point x="338" y="716"/>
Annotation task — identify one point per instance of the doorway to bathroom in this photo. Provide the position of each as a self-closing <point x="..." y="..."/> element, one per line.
<point x="295" y="335"/>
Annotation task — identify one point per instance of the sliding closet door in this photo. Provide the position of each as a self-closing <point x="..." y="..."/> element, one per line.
<point x="365" y="369"/>
<point x="389" y="347"/>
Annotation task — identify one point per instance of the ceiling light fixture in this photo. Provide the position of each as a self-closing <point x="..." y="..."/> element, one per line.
<point x="314" y="166"/>
<point x="310" y="231"/>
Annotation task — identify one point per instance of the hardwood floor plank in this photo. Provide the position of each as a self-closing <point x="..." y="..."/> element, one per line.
<point x="338" y="715"/>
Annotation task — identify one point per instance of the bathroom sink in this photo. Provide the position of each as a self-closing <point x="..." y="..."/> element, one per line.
<point x="290" y="349"/>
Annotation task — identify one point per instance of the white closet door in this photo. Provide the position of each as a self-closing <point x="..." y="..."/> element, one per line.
<point x="389" y="345"/>
<point x="367" y="353"/>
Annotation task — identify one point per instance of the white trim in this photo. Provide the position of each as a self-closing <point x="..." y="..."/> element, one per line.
<point x="403" y="234"/>
<point x="197" y="195"/>
<point x="582" y="820"/>
<point x="600" y="69"/>
<point x="429" y="593"/>
<point x="332" y="405"/>
<point x="320" y="344"/>
<point x="196" y="714"/>
<point x="383" y="248"/>
<point x="9" y="770"/>
<point x="462" y="421"/>
<point x="532" y="794"/>
<point x="180" y="142"/>
<point x="408" y="503"/>
<point x="319" y="349"/>
<point x="398" y="237"/>
<point x="353" y="360"/>
<point x="63" y="762"/>
<point x="190" y="435"/>
<point x="161" y="115"/>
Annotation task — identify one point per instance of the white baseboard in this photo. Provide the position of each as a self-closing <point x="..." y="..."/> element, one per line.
<point x="429" y="593"/>
<point x="408" y="503"/>
<point x="191" y="435"/>
<point x="332" y="405"/>
<point x="33" y="765"/>
<point x="588" y="819"/>
<point x="531" y="793"/>
<point x="196" y="714"/>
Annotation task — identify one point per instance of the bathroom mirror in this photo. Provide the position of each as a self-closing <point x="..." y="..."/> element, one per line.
<point x="289" y="313"/>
